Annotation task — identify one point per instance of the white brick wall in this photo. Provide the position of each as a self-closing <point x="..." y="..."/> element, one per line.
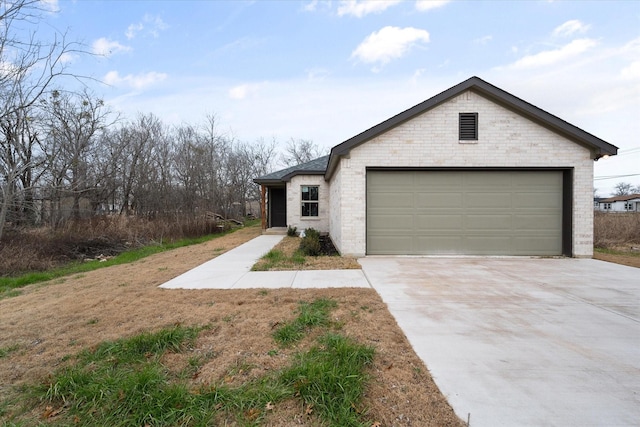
<point x="505" y="139"/>
<point x="294" y="203"/>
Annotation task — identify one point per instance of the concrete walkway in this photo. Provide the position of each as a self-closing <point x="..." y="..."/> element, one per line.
<point x="231" y="270"/>
<point x="509" y="341"/>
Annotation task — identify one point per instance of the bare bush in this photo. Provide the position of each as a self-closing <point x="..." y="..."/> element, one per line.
<point x="611" y="230"/>
<point x="43" y="248"/>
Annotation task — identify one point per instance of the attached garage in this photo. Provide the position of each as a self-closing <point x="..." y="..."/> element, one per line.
<point x="472" y="170"/>
<point x="466" y="212"/>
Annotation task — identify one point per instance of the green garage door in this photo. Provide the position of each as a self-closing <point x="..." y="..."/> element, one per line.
<point x="464" y="212"/>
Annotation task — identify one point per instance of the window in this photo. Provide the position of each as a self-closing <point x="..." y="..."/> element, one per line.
<point x="468" y="126"/>
<point x="607" y="206"/>
<point x="628" y="206"/>
<point x="309" y="200"/>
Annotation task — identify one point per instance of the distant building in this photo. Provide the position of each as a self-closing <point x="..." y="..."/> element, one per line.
<point x="628" y="203"/>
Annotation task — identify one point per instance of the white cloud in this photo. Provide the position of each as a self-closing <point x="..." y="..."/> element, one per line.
<point x="242" y="91"/>
<point x="569" y="28"/>
<point x="138" y="82"/>
<point x="632" y="72"/>
<point x="483" y="40"/>
<point x="425" y="5"/>
<point x="389" y="43"/>
<point x="360" y="8"/>
<point x="550" y="57"/>
<point x="150" y="24"/>
<point x="133" y="30"/>
<point x="106" y="47"/>
<point x="50" y="5"/>
<point x="317" y="74"/>
<point x="155" y="24"/>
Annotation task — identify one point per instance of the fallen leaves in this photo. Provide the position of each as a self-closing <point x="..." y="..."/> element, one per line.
<point x="50" y="412"/>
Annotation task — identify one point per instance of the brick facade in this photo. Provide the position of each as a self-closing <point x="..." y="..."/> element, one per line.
<point x="294" y="203"/>
<point x="506" y="139"/>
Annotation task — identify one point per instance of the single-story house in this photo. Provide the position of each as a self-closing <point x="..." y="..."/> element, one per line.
<point x="627" y="203"/>
<point x="473" y="170"/>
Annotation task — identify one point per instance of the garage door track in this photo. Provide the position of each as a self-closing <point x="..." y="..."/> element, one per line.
<point x="519" y="341"/>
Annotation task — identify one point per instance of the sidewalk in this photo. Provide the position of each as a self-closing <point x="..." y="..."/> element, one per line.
<point x="231" y="270"/>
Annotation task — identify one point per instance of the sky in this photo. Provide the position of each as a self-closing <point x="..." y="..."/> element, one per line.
<point x="328" y="70"/>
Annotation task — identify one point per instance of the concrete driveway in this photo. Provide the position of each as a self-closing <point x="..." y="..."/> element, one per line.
<point x="522" y="342"/>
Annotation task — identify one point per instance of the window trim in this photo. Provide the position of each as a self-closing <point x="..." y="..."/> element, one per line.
<point x="310" y="202"/>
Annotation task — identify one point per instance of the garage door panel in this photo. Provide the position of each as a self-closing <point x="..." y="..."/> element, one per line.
<point x="428" y="222"/>
<point x="486" y="244"/>
<point x="534" y="245"/>
<point x="396" y="199"/>
<point x="464" y="212"/>
<point x="442" y="244"/>
<point x="434" y="200"/>
<point x="392" y="221"/>
<point x="443" y="181"/>
<point x="394" y="245"/>
<point x="495" y="222"/>
<point x="493" y="200"/>
<point x="538" y="222"/>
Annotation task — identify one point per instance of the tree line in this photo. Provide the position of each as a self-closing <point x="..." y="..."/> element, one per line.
<point x="65" y="155"/>
<point x="69" y="157"/>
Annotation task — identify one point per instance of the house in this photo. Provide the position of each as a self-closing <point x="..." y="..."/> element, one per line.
<point x="627" y="203"/>
<point x="473" y="170"/>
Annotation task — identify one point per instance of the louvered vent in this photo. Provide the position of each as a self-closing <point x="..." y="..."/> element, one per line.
<point x="468" y="126"/>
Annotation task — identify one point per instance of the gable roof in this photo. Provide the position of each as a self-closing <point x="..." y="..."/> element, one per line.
<point x="624" y="198"/>
<point x="598" y="146"/>
<point x="314" y="167"/>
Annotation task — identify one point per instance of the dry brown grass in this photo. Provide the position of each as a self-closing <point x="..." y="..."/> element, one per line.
<point x="618" y="231"/>
<point x="44" y="248"/>
<point x="52" y="320"/>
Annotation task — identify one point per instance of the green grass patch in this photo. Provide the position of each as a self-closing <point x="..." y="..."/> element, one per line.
<point x="5" y="351"/>
<point x="276" y="259"/>
<point x="614" y="252"/>
<point x="9" y="284"/>
<point x="124" y="383"/>
<point x="331" y="378"/>
<point x="310" y="315"/>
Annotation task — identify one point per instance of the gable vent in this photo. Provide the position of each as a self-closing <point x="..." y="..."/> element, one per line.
<point x="468" y="126"/>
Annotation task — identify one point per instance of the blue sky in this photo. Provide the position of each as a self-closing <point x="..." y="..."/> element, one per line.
<point x="327" y="70"/>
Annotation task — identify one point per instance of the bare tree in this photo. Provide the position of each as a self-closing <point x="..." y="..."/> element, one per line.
<point x="300" y="151"/>
<point x="74" y="122"/>
<point x="28" y="67"/>
<point x="623" y="189"/>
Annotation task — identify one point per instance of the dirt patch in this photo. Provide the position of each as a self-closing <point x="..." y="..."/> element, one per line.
<point x="632" y="259"/>
<point x="50" y="321"/>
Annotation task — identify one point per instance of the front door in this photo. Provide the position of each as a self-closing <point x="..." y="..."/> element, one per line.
<point x="278" y="207"/>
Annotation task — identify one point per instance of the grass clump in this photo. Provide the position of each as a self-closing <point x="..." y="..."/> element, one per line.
<point x="277" y="258"/>
<point x="309" y="315"/>
<point x="330" y="378"/>
<point x="5" y="351"/>
<point x="124" y="383"/>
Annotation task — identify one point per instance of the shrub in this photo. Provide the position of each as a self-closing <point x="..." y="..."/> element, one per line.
<point x="292" y="231"/>
<point x="310" y="244"/>
<point x="616" y="229"/>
